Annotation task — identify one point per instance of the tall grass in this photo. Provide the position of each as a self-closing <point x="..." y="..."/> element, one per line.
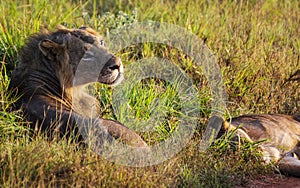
<point x="258" y="47"/>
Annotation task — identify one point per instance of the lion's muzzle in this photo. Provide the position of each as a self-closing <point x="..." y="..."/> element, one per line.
<point x="112" y="72"/>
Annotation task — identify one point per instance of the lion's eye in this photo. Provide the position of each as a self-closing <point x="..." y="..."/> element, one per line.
<point x="102" y="43"/>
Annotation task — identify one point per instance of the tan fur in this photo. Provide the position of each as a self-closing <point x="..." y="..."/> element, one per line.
<point x="281" y="134"/>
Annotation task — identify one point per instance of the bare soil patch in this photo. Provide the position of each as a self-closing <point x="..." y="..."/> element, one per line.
<point x="272" y="181"/>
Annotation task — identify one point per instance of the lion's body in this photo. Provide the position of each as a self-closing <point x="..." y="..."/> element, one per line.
<point x="50" y="80"/>
<point x="280" y="135"/>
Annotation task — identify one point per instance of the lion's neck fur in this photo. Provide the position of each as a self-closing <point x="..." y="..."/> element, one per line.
<point x="82" y="102"/>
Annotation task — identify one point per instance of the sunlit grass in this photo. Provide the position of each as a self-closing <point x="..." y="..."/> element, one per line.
<point x="257" y="44"/>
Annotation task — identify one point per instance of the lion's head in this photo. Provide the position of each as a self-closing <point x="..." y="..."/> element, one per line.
<point x="52" y="62"/>
<point x="68" y="48"/>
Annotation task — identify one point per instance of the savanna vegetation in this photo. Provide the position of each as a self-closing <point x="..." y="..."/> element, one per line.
<point x="257" y="45"/>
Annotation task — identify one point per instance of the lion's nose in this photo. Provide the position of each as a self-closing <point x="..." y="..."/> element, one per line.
<point x="114" y="63"/>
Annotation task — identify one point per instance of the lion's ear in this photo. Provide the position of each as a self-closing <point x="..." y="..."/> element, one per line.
<point x="49" y="48"/>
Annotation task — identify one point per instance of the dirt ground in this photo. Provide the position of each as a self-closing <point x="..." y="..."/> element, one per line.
<point x="272" y="181"/>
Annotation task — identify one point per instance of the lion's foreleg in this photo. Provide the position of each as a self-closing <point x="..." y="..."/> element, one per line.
<point x="119" y="131"/>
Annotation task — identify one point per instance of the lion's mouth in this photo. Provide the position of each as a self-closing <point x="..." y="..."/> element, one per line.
<point x="119" y="78"/>
<point x="114" y="77"/>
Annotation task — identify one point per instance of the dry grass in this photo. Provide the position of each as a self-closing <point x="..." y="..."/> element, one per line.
<point x="258" y="47"/>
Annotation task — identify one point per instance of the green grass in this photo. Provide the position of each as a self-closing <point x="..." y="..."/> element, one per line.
<point x="257" y="44"/>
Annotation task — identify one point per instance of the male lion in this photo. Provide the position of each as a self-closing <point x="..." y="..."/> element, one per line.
<point x="281" y="135"/>
<point x="50" y="80"/>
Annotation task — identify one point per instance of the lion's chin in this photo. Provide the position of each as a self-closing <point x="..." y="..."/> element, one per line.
<point x="112" y="80"/>
<point x="117" y="77"/>
<point x="117" y="80"/>
<point x="114" y="77"/>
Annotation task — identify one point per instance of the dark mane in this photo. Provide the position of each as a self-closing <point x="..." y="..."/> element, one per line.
<point x="30" y="51"/>
<point x="44" y="83"/>
<point x="35" y="75"/>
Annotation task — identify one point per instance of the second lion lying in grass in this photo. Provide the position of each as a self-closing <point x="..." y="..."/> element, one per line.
<point x="281" y="134"/>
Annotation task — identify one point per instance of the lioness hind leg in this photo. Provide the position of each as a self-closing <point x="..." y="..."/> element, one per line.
<point x="270" y="153"/>
<point x="290" y="164"/>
